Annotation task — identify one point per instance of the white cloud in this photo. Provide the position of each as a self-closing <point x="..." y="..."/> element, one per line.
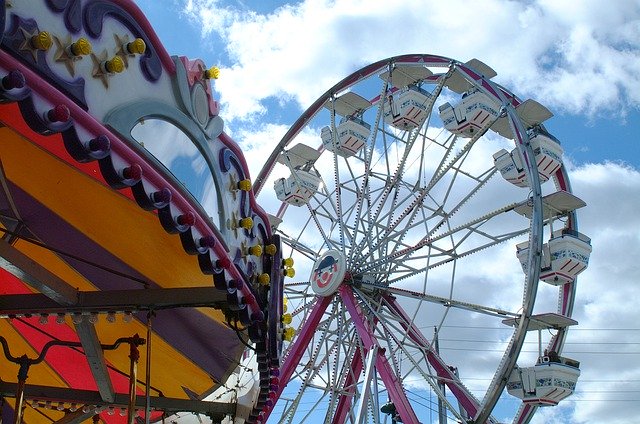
<point x="580" y="57"/>
<point x="607" y="295"/>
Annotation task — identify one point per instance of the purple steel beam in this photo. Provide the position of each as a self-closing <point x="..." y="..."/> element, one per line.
<point x="292" y="359"/>
<point x="344" y="404"/>
<point x="468" y="402"/>
<point x="384" y="369"/>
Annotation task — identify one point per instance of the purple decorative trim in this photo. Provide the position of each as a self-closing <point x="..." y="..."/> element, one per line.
<point x="94" y="14"/>
<point x="72" y="13"/>
<point x="10" y="90"/>
<point x="275" y="310"/>
<point x="57" y="5"/>
<point x="228" y="160"/>
<point x="86" y="151"/>
<point x="117" y="178"/>
<point x="196" y="245"/>
<point x="37" y="121"/>
<point x="233" y="146"/>
<point x="3" y="15"/>
<point x="12" y="41"/>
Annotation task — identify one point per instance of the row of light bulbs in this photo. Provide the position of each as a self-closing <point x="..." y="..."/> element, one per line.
<point x="76" y="317"/>
<point x="73" y="407"/>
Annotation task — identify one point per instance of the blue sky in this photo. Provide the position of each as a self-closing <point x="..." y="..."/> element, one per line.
<point x="605" y="133"/>
<point x="581" y="59"/>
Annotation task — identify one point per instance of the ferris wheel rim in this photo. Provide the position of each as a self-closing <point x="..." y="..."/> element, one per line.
<point x="536" y="196"/>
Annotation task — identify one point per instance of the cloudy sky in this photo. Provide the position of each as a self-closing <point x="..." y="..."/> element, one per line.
<point x="580" y="58"/>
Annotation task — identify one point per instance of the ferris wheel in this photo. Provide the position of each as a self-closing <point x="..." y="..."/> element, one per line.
<point x="417" y="198"/>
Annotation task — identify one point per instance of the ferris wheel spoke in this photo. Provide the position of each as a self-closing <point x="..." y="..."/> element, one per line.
<point x="460" y="391"/>
<point x="389" y="179"/>
<point x="353" y="370"/>
<point x="327" y="241"/>
<point x="428" y="240"/>
<point x="495" y="240"/>
<point x="384" y="368"/>
<point x="334" y="357"/>
<point x="396" y="179"/>
<point x="409" y="214"/>
<point x="299" y="247"/>
<point x="452" y="303"/>
<point x="336" y="176"/>
<point x="447" y="166"/>
<point x="364" y="193"/>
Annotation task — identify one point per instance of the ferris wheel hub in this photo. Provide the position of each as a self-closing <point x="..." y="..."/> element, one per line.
<point x="328" y="273"/>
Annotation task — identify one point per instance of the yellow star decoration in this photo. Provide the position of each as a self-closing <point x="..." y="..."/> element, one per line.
<point x="233" y="186"/>
<point x="103" y="68"/>
<point x="43" y="42"/>
<point x="98" y="72"/>
<point x="121" y="45"/>
<point x="126" y="49"/>
<point x="232" y="224"/>
<point x="63" y="54"/>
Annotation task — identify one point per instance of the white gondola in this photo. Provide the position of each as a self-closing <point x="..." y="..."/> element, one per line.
<point x="298" y="188"/>
<point x="352" y="132"/>
<point x="546" y="383"/>
<point x="548" y="154"/>
<point x="406" y="106"/>
<point x="474" y="111"/>
<point x="554" y="377"/>
<point x="406" y="109"/>
<point x="563" y="257"/>
<point x="352" y="136"/>
<point x="304" y="181"/>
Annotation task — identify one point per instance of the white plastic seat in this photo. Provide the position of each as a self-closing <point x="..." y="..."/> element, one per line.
<point x="569" y="254"/>
<point x="474" y="111"/>
<point x="406" y="109"/>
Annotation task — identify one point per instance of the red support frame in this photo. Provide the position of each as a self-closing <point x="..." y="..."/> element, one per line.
<point x="384" y="369"/>
<point x="468" y="402"/>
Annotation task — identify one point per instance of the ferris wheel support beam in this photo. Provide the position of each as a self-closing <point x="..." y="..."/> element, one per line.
<point x="344" y="403"/>
<point x="366" y="384"/>
<point x="384" y="369"/>
<point x="297" y="350"/>
<point x="468" y="402"/>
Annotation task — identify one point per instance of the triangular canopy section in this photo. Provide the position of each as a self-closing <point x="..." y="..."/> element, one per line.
<point x="459" y="84"/>
<point x="348" y="104"/>
<point x="404" y="75"/>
